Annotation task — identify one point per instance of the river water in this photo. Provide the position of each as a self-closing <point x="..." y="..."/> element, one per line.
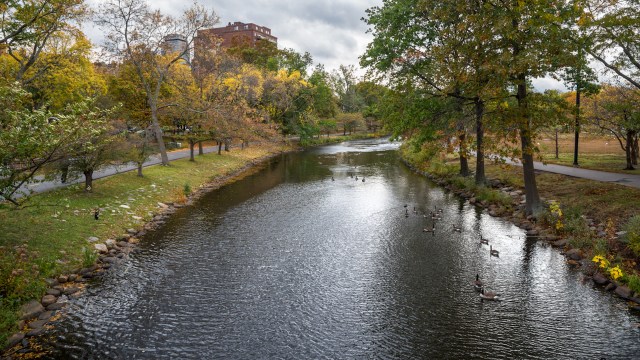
<point x="290" y="264"/>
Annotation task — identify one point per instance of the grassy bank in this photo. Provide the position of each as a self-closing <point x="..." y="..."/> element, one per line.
<point x="610" y="207"/>
<point x="49" y="235"/>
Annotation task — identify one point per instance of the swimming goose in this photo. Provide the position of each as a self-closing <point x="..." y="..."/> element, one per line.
<point x="478" y="284"/>
<point x="489" y="295"/>
<point x="363" y="179"/>
<point x="433" y="229"/>
<point x="493" y="252"/>
<point x="484" y="241"/>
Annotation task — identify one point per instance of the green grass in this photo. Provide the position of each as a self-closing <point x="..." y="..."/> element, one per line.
<point x="603" y="162"/>
<point x="48" y="236"/>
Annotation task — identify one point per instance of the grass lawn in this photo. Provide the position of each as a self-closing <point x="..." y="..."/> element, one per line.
<point x="48" y="236"/>
<point x="595" y="152"/>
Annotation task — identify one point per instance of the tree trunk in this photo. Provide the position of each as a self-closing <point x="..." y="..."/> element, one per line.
<point x="464" y="163"/>
<point x="88" y="180"/>
<point x="158" y="133"/>
<point x="577" y="127"/>
<point x="219" y="147"/>
<point x="140" y="169"/>
<point x="65" y="173"/>
<point x="558" y="148"/>
<point x="481" y="179"/>
<point x="344" y="130"/>
<point x="628" y="149"/>
<point x="192" y="145"/>
<point x="636" y="150"/>
<point x="533" y="203"/>
<point x="200" y="149"/>
<point x="227" y="144"/>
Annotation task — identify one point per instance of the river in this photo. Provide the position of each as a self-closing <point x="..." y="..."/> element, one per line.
<point x="290" y="264"/>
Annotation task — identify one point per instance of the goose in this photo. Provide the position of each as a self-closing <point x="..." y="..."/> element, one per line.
<point x="457" y="229"/>
<point x="489" y="295"/>
<point x="433" y="229"/>
<point x="363" y="179"/>
<point x="484" y="241"/>
<point x="493" y="252"/>
<point x="332" y="179"/>
<point x="478" y="285"/>
<point x="356" y="177"/>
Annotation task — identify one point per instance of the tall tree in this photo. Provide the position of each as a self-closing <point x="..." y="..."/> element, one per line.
<point x="27" y="27"/>
<point x="615" y="111"/>
<point x="138" y="34"/>
<point x="612" y="27"/>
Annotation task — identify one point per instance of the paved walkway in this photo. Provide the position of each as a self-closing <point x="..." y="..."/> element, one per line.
<point x="618" y="178"/>
<point x="43" y="186"/>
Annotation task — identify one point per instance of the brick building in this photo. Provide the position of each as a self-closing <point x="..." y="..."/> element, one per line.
<point x="239" y="32"/>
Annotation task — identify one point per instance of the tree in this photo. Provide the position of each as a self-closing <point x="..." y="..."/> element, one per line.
<point x="137" y="34"/>
<point x="344" y="82"/>
<point x="612" y="28"/>
<point x="325" y="105"/>
<point x="473" y="51"/>
<point x="579" y="76"/>
<point x="31" y="138"/>
<point x="102" y="141"/>
<point x="27" y="27"/>
<point x="614" y="110"/>
<point x="286" y="99"/>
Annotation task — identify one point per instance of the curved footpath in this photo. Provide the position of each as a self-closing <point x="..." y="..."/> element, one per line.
<point x="42" y="186"/>
<point x="618" y="178"/>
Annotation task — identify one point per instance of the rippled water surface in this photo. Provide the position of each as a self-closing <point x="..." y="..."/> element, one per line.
<point x="290" y="264"/>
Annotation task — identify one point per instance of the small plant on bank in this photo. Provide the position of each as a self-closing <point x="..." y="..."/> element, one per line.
<point x="632" y="236"/>
<point x="601" y="261"/>
<point x="556" y="215"/>
<point x="633" y="281"/>
<point x="186" y="190"/>
<point x="88" y="257"/>
<point x="615" y="272"/>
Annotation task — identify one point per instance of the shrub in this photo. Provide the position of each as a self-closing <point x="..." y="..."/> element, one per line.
<point x="632" y="237"/>
<point x="88" y="257"/>
<point x="186" y="190"/>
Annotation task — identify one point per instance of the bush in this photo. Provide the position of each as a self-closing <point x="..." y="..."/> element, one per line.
<point x="632" y="237"/>
<point x="186" y="190"/>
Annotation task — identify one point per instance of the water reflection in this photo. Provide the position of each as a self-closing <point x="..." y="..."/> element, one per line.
<point x="289" y="264"/>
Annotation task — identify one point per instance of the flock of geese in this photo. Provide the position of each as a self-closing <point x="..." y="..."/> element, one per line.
<point x="478" y="285"/>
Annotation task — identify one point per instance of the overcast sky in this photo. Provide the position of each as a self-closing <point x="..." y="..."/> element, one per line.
<point x="330" y="30"/>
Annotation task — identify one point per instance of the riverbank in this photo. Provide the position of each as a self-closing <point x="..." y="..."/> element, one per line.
<point x="55" y="243"/>
<point x="583" y="218"/>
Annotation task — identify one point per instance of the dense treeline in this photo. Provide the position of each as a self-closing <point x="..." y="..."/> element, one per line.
<point x="70" y="107"/>
<point x="461" y="75"/>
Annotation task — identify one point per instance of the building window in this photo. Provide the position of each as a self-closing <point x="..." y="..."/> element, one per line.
<point x="235" y="28"/>
<point x="246" y="27"/>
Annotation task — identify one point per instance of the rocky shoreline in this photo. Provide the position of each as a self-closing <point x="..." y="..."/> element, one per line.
<point x="35" y="317"/>
<point x="575" y="257"/>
